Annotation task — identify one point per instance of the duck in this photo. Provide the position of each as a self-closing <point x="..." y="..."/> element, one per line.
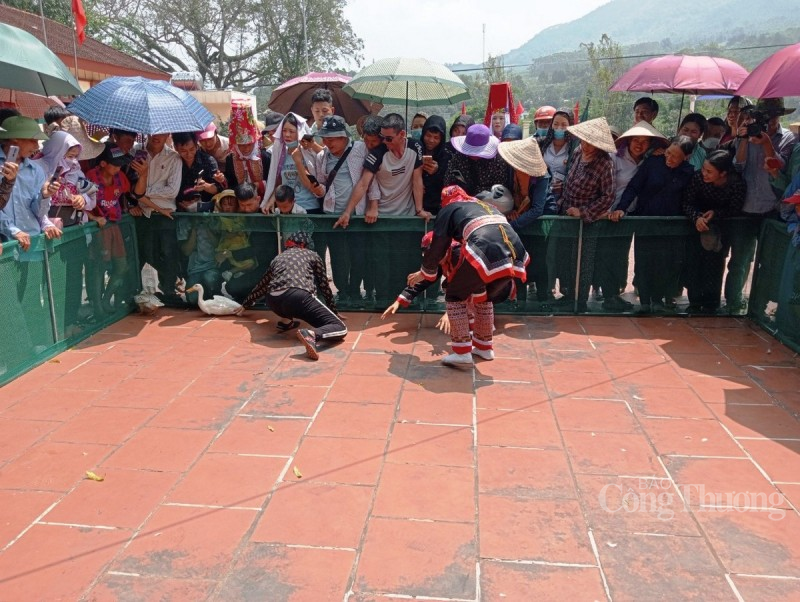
<point x="218" y="306"/>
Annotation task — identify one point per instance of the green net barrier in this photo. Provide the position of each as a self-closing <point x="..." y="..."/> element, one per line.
<point x="25" y="320"/>
<point x="65" y="290"/>
<point x="603" y="268"/>
<point x="775" y="295"/>
<point x="52" y="295"/>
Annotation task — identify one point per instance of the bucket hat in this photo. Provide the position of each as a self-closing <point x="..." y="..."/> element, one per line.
<point x="478" y="142"/>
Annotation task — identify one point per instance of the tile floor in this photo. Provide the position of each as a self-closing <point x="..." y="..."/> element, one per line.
<point x="594" y="459"/>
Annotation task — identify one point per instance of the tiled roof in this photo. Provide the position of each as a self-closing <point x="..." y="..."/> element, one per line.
<point x="59" y="40"/>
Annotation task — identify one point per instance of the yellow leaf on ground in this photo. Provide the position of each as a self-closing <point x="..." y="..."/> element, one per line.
<point x="93" y="476"/>
<point x="270" y="428"/>
<point x="297" y="472"/>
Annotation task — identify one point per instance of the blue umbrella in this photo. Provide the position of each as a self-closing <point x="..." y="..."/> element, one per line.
<point x="138" y="104"/>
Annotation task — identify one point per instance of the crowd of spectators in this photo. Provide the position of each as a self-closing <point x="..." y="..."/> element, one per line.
<point x="742" y="165"/>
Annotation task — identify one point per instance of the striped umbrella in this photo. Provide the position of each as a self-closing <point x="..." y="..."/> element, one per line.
<point x="413" y="82"/>
<point x="138" y="104"/>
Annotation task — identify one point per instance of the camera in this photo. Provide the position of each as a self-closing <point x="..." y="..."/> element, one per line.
<point x="758" y="123"/>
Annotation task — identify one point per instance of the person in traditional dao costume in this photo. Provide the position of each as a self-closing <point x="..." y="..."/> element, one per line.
<point x="491" y="256"/>
<point x="247" y="161"/>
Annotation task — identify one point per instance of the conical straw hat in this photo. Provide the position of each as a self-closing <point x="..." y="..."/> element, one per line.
<point x="524" y="155"/>
<point x="596" y="132"/>
<point x="642" y="128"/>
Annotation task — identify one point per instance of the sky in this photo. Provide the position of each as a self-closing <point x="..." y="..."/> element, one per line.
<point x="450" y="31"/>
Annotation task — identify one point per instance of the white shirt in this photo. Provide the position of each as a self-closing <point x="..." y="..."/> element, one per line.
<point x="164" y="178"/>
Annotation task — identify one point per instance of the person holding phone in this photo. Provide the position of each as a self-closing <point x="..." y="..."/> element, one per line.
<point x="435" y="159"/>
<point x="294" y="166"/>
<point x="9" y="176"/>
<point x="22" y="217"/>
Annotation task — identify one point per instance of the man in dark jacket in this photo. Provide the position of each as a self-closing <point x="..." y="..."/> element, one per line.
<point x="435" y="159"/>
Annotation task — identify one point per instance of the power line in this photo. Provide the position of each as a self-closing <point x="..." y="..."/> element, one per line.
<point x="613" y="58"/>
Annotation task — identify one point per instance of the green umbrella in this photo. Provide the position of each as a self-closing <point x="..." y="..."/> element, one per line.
<point x="415" y="82"/>
<point x="29" y="66"/>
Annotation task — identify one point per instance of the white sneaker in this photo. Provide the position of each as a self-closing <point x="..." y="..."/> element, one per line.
<point x="458" y="360"/>
<point x="484" y="354"/>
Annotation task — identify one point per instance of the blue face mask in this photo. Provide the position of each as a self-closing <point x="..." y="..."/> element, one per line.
<point x="541" y="132"/>
<point x="416" y="134"/>
<point x="292" y="145"/>
<point x="559" y="134"/>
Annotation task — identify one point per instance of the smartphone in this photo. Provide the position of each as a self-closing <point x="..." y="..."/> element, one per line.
<point x="13" y="154"/>
<point x="141" y="155"/>
<point x="56" y="174"/>
<point x="308" y="137"/>
<point x="427" y="158"/>
<point x="313" y="180"/>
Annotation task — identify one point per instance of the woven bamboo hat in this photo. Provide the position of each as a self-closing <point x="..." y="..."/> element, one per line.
<point x="642" y="128"/>
<point x="524" y="155"/>
<point x="90" y="148"/>
<point x="596" y="132"/>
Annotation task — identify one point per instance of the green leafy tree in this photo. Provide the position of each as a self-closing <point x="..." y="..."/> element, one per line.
<point x="607" y="65"/>
<point x="238" y="44"/>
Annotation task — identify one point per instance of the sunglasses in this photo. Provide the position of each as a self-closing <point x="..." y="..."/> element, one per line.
<point x="389" y="138"/>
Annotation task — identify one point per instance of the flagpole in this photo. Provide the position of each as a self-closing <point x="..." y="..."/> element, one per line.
<point x="75" y="43"/>
<point x="44" y="23"/>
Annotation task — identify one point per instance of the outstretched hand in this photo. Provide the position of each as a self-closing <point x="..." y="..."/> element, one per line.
<point x="392" y="309"/>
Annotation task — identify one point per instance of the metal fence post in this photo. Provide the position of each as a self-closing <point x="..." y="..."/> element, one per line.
<point x="50" y="297"/>
<point x="578" y="267"/>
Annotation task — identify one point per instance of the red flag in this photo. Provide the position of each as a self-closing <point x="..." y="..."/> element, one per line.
<point x="576" y="112"/>
<point x="463" y="108"/>
<point x="80" y="20"/>
<point x="520" y="109"/>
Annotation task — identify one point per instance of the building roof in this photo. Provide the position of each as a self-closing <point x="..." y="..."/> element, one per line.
<point x="96" y="60"/>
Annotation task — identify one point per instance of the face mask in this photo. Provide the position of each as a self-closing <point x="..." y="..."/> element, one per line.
<point x="416" y="134"/>
<point x="559" y="134"/>
<point x="541" y="132"/>
<point x="711" y="143"/>
<point x="292" y="145"/>
<point x="71" y="164"/>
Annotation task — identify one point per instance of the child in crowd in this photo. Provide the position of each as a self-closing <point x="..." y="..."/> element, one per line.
<point x="109" y="245"/>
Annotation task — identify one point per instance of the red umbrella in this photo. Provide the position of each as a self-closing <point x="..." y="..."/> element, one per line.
<point x="679" y="73"/>
<point x="776" y="76"/>
<point x="30" y="105"/>
<point x="295" y="96"/>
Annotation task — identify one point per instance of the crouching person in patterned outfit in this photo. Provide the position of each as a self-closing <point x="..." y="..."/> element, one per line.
<point x="289" y="286"/>
<point x="491" y="256"/>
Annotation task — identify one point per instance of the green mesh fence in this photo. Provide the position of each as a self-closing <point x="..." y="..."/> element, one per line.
<point x="63" y="291"/>
<point x="775" y="297"/>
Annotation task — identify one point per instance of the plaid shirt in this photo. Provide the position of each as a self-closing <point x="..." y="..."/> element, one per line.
<point x="294" y="268"/>
<point x="590" y="186"/>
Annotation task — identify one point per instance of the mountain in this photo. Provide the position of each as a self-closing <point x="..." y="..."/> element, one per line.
<point x="680" y="22"/>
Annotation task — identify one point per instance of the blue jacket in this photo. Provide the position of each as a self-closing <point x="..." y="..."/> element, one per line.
<point x="542" y="202"/>
<point x="658" y="188"/>
<point x="26" y="209"/>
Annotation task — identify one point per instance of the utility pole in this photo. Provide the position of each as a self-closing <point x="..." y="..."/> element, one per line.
<point x="483" y="50"/>
<point x="305" y="34"/>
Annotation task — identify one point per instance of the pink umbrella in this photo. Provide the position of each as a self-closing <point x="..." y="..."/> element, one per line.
<point x="776" y="76"/>
<point x="295" y="96"/>
<point x="678" y="73"/>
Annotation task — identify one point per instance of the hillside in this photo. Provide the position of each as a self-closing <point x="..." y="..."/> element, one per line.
<point x="679" y="22"/>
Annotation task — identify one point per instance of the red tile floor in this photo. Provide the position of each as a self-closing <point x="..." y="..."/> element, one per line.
<point x="595" y="459"/>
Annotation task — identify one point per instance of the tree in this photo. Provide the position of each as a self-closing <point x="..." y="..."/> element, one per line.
<point x="53" y="9"/>
<point x="607" y="66"/>
<point x="231" y="43"/>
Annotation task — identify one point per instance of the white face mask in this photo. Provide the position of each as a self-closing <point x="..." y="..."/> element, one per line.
<point x="710" y="143"/>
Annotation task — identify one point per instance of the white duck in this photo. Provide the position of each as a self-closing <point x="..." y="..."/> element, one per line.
<point x="218" y="306"/>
